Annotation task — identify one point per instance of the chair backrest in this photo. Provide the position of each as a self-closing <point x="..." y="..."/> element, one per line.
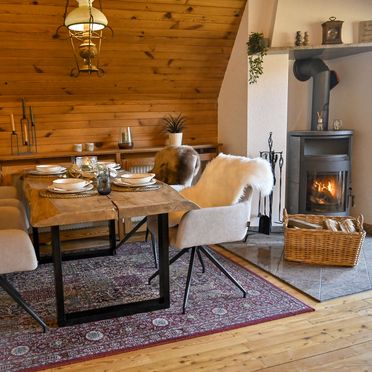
<point x="176" y="165"/>
<point x="16" y="252"/>
<point x="226" y="178"/>
<point x="12" y="217"/>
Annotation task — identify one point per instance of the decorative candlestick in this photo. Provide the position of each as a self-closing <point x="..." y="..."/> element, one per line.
<point x="25" y="127"/>
<point x="14" y="146"/>
<point x="33" y="130"/>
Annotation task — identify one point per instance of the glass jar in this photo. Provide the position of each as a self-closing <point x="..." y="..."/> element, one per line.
<point x="103" y="181"/>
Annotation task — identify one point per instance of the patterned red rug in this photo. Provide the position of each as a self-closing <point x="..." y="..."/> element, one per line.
<point x="215" y="305"/>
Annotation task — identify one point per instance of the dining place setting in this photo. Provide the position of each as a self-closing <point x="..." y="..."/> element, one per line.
<point x="88" y="177"/>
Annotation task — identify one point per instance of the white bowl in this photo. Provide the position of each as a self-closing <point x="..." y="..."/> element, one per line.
<point x="45" y="168"/>
<point x="137" y="178"/>
<point x="69" y="183"/>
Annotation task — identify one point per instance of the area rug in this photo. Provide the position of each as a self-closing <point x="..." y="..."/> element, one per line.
<point x="320" y="282"/>
<point x="214" y="306"/>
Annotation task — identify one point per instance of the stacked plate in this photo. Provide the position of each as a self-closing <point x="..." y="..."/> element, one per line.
<point x="135" y="179"/>
<point x="70" y="186"/>
<point x="109" y="164"/>
<point x="46" y="169"/>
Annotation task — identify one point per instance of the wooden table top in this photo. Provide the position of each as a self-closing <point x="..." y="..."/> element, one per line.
<point x="147" y="203"/>
<point x="45" y="212"/>
<point x="52" y="211"/>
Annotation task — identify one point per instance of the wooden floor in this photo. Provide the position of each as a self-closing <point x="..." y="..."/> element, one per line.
<point x="337" y="336"/>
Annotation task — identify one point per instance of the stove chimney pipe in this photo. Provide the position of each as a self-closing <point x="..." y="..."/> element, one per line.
<point x="323" y="81"/>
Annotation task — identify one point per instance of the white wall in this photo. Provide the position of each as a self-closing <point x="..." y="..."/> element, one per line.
<point x="248" y="113"/>
<point x="305" y="15"/>
<point x="232" y="100"/>
<point x="267" y="103"/>
<point x="349" y="100"/>
<point x="352" y="104"/>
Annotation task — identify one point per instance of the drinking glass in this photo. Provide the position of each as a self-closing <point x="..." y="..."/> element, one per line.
<point x="103" y="181"/>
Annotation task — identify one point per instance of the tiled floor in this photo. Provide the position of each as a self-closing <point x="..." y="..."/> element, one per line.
<point x="320" y="282"/>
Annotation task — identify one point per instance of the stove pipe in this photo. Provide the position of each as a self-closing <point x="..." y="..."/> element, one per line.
<point x="323" y="81"/>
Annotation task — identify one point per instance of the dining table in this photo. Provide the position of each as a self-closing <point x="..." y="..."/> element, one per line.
<point x="54" y="211"/>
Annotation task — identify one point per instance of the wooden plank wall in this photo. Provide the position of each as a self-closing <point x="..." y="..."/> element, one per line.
<point x="166" y="56"/>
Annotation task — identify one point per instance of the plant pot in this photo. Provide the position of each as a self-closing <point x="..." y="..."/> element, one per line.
<point x="175" y="139"/>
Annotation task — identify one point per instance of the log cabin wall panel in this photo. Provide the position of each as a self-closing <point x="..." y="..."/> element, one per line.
<point x="166" y="56"/>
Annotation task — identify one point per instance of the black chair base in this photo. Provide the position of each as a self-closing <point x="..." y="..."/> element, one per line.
<point x="198" y="250"/>
<point x="12" y="292"/>
<point x="131" y="232"/>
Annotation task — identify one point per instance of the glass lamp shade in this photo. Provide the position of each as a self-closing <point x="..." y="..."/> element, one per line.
<point x="79" y="18"/>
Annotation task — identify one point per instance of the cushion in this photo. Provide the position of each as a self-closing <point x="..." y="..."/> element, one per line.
<point x="16" y="251"/>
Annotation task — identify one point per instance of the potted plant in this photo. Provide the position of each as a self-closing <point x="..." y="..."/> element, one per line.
<point x="257" y="49"/>
<point x="174" y="125"/>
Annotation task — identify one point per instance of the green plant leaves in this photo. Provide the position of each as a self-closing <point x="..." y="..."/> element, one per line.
<point x="257" y="49"/>
<point x="174" y="124"/>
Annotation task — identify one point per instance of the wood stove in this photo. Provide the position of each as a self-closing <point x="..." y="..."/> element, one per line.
<point x="319" y="172"/>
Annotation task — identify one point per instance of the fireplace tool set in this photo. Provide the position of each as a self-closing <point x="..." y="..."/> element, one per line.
<point x="28" y="132"/>
<point x="265" y="205"/>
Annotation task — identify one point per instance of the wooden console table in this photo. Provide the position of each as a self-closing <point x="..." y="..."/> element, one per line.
<point x="12" y="164"/>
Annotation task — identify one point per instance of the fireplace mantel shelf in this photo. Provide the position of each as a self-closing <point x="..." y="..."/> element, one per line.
<point x="325" y="52"/>
<point x="321" y="133"/>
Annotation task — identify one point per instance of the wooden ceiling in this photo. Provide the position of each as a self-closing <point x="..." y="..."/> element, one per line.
<point x="166" y="56"/>
<point x="162" y="48"/>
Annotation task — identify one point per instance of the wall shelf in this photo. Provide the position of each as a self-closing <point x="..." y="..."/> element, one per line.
<point x="325" y="52"/>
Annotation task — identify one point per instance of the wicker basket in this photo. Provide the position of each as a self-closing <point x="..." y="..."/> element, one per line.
<point x="322" y="247"/>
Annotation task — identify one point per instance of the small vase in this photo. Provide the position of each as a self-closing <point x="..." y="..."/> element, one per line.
<point x="175" y="139"/>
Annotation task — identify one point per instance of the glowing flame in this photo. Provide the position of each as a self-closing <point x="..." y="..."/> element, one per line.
<point x="328" y="186"/>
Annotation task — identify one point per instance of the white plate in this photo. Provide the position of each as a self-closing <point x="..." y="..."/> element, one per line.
<point x="119" y="182"/>
<point x="51" y="188"/>
<point x="34" y="171"/>
<point x="109" y="164"/>
<point x="48" y="168"/>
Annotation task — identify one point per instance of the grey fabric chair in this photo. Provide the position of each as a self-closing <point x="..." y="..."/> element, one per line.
<point x="9" y="198"/>
<point x="206" y="226"/>
<point x="224" y="195"/>
<point x="176" y="166"/>
<point x="8" y="192"/>
<point x="16" y="254"/>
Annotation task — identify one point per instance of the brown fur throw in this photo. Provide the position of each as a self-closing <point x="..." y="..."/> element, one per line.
<point x="176" y="165"/>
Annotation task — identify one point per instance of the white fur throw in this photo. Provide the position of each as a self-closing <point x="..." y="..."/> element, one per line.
<point x="225" y="178"/>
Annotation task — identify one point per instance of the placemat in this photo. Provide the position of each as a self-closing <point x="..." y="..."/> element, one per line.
<point x="47" y="194"/>
<point x="44" y="176"/>
<point x="136" y="189"/>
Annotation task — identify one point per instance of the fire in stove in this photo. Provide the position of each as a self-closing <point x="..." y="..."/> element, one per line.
<point x="324" y="192"/>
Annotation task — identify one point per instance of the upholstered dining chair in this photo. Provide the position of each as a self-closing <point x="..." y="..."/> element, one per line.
<point x="224" y="195"/>
<point x="16" y="254"/>
<point x="8" y="192"/>
<point x="9" y="198"/>
<point x="176" y="166"/>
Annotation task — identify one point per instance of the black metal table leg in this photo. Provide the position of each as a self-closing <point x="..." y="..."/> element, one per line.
<point x="163" y="240"/>
<point x="58" y="276"/>
<point x="36" y="242"/>
<point x="112" y="236"/>
<point x="161" y="302"/>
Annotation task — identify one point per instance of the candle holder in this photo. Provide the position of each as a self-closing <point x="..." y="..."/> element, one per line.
<point x="14" y="146"/>
<point x="126" y="139"/>
<point x="33" y="130"/>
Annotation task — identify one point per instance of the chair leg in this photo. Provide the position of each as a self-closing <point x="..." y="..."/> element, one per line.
<point x="12" y="292"/>
<point x="174" y="258"/>
<point x="188" y="280"/>
<point x="201" y="260"/>
<point x="217" y="263"/>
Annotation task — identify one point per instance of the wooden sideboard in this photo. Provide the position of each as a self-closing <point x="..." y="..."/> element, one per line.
<point x="12" y="164"/>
